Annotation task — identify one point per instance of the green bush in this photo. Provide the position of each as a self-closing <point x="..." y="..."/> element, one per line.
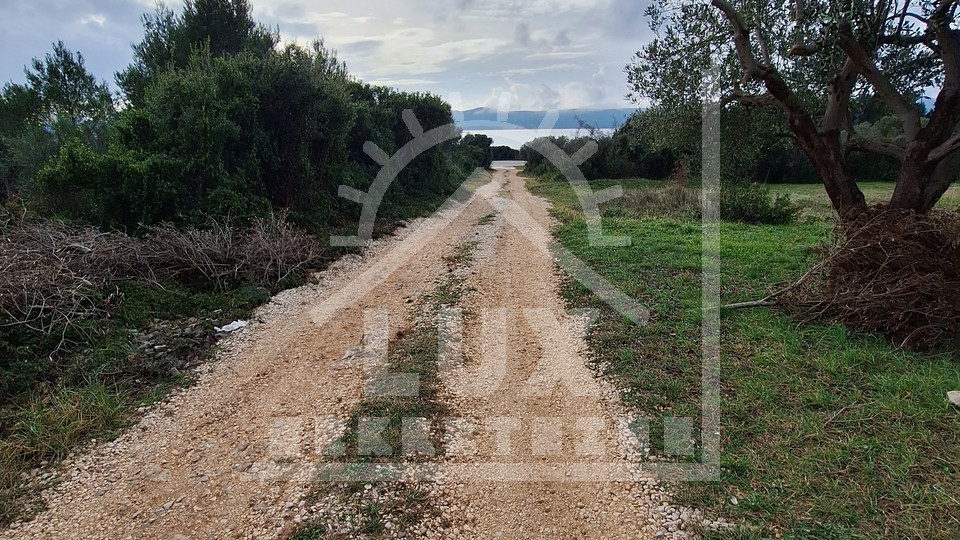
<point x="483" y="144"/>
<point x="620" y="155"/>
<point x="751" y="203"/>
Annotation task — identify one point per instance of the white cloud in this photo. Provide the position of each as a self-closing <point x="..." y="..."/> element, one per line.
<point x="400" y="82"/>
<point x="93" y="18"/>
<point x="550" y="51"/>
<point x="591" y="93"/>
<point x="538" y="69"/>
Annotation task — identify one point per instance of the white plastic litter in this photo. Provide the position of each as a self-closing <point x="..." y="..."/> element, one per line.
<point x="232" y="327"/>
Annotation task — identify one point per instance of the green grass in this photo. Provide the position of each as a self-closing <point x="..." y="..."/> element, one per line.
<point x="815" y="202"/>
<point x="92" y="388"/>
<point x="825" y="433"/>
<point x="486" y="219"/>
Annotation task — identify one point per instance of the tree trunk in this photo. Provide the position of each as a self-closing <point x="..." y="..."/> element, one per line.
<point x="826" y="155"/>
<point x="943" y="177"/>
<point x="911" y="183"/>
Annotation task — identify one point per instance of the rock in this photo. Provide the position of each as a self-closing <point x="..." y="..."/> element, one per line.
<point x="232" y="327"/>
<point x="954" y="398"/>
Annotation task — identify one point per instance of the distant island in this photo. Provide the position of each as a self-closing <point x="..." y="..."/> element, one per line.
<point x="486" y="119"/>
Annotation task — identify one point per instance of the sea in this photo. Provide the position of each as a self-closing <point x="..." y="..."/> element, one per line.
<point x="515" y="138"/>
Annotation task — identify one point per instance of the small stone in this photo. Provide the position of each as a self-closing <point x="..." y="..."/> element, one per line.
<point x="734" y="501"/>
<point x="954" y="398"/>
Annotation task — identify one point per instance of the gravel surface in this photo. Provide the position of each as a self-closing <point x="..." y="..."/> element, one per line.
<point x="232" y="456"/>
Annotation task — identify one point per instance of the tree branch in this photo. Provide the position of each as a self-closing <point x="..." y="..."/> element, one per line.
<point x="824" y="150"/>
<point x="750" y="100"/>
<point x="903" y="17"/>
<point x="907" y="41"/>
<point x="908" y="114"/>
<point x="943" y="177"/>
<point x="771" y="299"/>
<point x="943" y="9"/>
<point x="941" y="152"/>
<point x="741" y="39"/>
<point x="837" y="113"/>
<point x="876" y="147"/>
<point x="758" y="31"/>
<point x="939" y="135"/>
<point x="805" y="49"/>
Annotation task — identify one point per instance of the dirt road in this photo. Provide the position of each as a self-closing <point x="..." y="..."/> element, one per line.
<point x="203" y="465"/>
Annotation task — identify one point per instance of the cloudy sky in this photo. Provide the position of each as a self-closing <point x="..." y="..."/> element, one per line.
<point x="546" y="53"/>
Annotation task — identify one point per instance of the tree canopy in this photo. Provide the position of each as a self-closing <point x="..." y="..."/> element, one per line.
<point x="60" y="84"/>
<point x="816" y="61"/>
<point x="221" y="27"/>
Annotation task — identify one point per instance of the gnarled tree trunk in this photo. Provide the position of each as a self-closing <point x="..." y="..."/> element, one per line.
<point x="929" y="153"/>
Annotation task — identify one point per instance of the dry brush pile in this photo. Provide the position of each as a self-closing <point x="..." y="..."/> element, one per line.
<point x="53" y="274"/>
<point x="889" y="272"/>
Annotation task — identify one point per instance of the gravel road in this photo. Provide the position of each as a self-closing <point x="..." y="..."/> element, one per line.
<point x="203" y="464"/>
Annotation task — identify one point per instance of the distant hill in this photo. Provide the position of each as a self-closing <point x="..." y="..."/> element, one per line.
<point x="603" y="118"/>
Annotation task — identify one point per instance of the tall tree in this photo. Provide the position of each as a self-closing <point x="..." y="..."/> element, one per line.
<point x="224" y="27"/>
<point x="64" y="87"/>
<point x="19" y="106"/>
<point x="812" y="59"/>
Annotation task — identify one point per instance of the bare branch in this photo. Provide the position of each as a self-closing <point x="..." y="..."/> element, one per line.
<point x="903" y="18"/>
<point x="876" y="147"/>
<point x="941" y="152"/>
<point x="763" y="46"/>
<point x="805" y="49"/>
<point x="908" y="114"/>
<point x="771" y="299"/>
<point x="924" y="20"/>
<point x="741" y="39"/>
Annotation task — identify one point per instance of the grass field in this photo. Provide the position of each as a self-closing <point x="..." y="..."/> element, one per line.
<point x="815" y="203"/>
<point x="825" y="433"/>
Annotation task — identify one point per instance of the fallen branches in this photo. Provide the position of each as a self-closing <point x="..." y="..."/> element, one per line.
<point x="268" y="252"/>
<point x="54" y="275"/>
<point x="890" y="272"/>
<point x="51" y="273"/>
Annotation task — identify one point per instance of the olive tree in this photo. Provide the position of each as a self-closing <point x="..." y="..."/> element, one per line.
<point x="812" y="59"/>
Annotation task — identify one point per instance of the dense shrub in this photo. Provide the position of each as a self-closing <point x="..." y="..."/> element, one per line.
<point x="236" y="136"/>
<point x="482" y="144"/>
<point x="751" y="203"/>
<point x="504" y="153"/>
<point x="620" y="155"/>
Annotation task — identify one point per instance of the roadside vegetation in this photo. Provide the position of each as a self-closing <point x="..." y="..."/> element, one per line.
<point x="133" y="224"/>
<point x="826" y="433"/>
